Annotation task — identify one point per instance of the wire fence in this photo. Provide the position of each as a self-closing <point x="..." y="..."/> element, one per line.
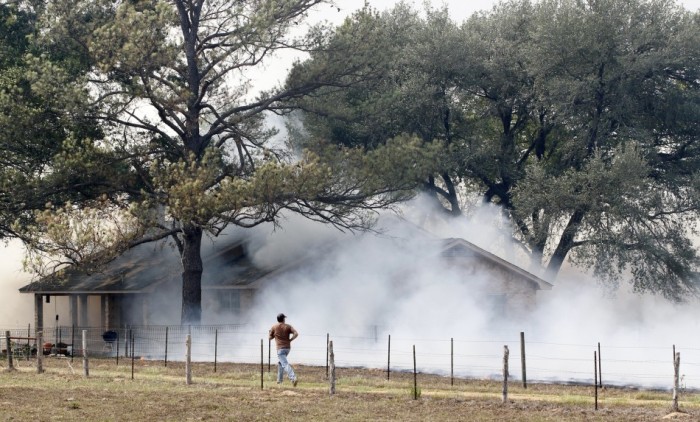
<point x="649" y="366"/>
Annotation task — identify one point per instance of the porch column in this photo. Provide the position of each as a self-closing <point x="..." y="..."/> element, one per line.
<point x="104" y="315"/>
<point x="38" y="315"/>
<point x="83" y="310"/>
<point x="73" y="306"/>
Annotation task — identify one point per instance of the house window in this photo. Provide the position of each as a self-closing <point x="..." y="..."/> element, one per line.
<point x="230" y="301"/>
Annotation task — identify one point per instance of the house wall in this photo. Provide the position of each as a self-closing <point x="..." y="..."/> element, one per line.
<point x="494" y="280"/>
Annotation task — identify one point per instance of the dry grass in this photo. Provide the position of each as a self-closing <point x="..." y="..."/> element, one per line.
<point x="233" y="393"/>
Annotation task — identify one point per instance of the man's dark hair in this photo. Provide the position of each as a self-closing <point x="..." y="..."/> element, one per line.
<point x="281" y="317"/>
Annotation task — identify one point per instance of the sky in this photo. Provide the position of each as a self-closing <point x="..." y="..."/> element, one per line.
<point x="574" y="315"/>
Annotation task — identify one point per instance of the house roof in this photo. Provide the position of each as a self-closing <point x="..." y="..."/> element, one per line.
<point x="227" y="266"/>
<point x="144" y="268"/>
<point x="455" y="247"/>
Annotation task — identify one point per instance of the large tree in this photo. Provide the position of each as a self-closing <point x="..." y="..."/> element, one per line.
<point x="171" y="84"/>
<point x="622" y="157"/>
<point x="578" y="118"/>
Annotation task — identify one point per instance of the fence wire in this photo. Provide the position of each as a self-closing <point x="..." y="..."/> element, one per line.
<point x="622" y="365"/>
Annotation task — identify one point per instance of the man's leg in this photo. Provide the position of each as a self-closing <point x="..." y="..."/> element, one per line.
<point x="280" y="368"/>
<point x="282" y="356"/>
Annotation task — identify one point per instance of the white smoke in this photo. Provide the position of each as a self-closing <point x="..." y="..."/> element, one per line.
<point x="363" y="288"/>
<point x="369" y="287"/>
<point x="16" y="310"/>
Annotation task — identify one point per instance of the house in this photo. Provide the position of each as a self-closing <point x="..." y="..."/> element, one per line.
<point x="143" y="286"/>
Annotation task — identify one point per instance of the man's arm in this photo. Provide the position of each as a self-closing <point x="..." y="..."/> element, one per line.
<point x="271" y="334"/>
<point x="294" y="334"/>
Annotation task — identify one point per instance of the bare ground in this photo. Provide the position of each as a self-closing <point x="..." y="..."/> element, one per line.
<point x="234" y="392"/>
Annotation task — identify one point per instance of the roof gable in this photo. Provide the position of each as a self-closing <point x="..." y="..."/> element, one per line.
<point x="459" y="248"/>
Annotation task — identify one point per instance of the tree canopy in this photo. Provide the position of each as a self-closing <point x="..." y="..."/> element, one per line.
<point x="169" y="83"/>
<point x="580" y="119"/>
<point x="127" y="122"/>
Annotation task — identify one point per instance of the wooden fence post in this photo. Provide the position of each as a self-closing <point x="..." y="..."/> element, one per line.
<point x="188" y="359"/>
<point x="388" y="358"/>
<point x="600" y="370"/>
<point x="29" y="346"/>
<point x="676" y="370"/>
<point x="166" y="347"/>
<point x="328" y="339"/>
<point x="415" y="375"/>
<point x="331" y="377"/>
<point x="595" y="380"/>
<point x="117" y="348"/>
<point x="86" y="367"/>
<point x="216" y="346"/>
<point x="72" y="342"/>
<point x="8" y="346"/>
<point x="262" y="364"/>
<point x="452" y="361"/>
<point x="506" y="352"/>
<point x="39" y="352"/>
<point x="133" y="346"/>
<point x="522" y="357"/>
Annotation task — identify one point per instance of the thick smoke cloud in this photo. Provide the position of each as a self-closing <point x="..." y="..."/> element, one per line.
<point x="365" y="288"/>
<point x="359" y="289"/>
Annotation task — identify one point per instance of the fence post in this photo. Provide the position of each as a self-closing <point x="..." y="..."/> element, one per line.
<point x="415" y="375"/>
<point x="188" y="359"/>
<point x="262" y="363"/>
<point x="328" y="339"/>
<point x="39" y="352"/>
<point x="269" y="355"/>
<point x="166" y="347"/>
<point x="131" y="342"/>
<point x="117" y="349"/>
<point x="522" y="357"/>
<point x="595" y="380"/>
<point x="29" y="346"/>
<point x="86" y="368"/>
<point x="331" y="378"/>
<point x="452" y="361"/>
<point x="676" y="370"/>
<point x="388" y="358"/>
<point x="8" y="346"/>
<point x="72" y="342"/>
<point x="505" y="374"/>
<point x="600" y="370"/>
<point x="216" y="346"/>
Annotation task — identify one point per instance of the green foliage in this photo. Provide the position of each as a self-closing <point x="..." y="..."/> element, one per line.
<point x="190" y="151"/>
<point x="578" y="118"/>
<point x="41" y="123"/>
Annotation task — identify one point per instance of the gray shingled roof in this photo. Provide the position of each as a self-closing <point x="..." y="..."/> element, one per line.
<point x="143" y="268"/>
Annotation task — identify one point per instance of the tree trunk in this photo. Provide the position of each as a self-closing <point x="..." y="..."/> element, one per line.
<point x="191" y="275"/>
<point x="566" y="242"/>
<point x="452" y="197"/>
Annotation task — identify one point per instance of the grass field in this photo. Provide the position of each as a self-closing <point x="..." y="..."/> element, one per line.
<point x="233" y="393"/>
